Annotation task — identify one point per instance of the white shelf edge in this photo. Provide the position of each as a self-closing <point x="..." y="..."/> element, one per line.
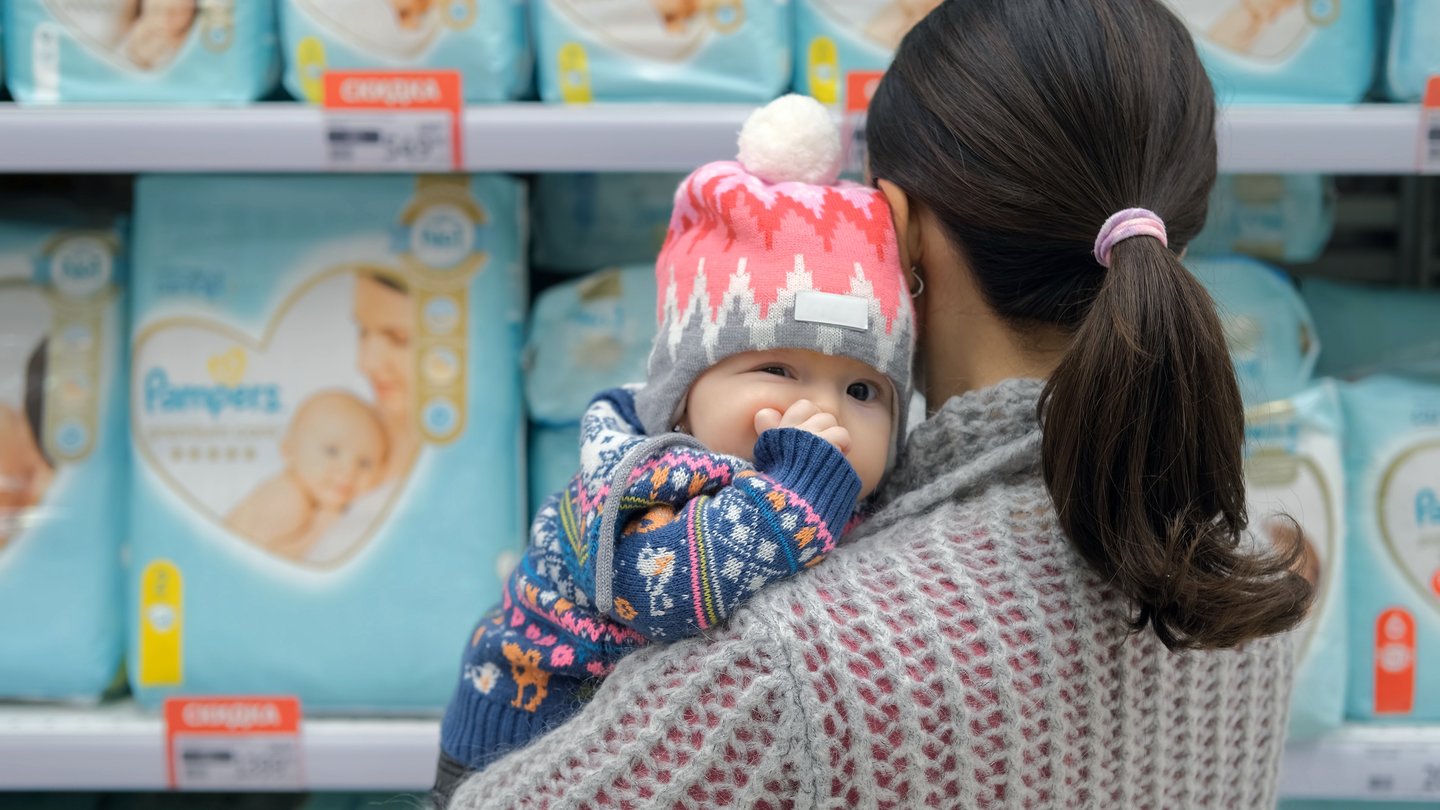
<point x="289" y="137"/>
<point x="1376" y="763"/>
<point x="121" y="748"/>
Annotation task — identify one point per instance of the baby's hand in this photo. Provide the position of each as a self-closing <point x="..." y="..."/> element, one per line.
<point x="807" y="416"/>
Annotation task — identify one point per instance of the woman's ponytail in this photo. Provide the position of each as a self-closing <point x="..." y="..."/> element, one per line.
<point x="1142" y="454"/>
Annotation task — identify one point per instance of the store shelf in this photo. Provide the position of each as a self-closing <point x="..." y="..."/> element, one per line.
<point x="118" y="747"/>
<point x="286" y="137"/>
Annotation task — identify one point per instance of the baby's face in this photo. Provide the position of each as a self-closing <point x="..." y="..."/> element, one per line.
<point x="337" y="451"/>
<point x="721" y="406"/>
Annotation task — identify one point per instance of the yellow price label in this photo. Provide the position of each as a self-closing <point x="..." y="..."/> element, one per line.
<point x="823" y="71"/>
<point x="574" y="65"/>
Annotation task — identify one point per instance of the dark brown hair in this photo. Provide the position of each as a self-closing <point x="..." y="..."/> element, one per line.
<point x="1022" y="125"/>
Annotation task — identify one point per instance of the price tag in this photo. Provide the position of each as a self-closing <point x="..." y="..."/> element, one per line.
<point x="1362" y="769"/>
<point x="234" y="743"/>
<point x="394" y="120"/>
<point x="1430" y="128"/>
<point x="859" y="88"/>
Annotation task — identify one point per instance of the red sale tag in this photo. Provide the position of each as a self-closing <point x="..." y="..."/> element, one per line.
<point x="233" y="743"/>
<point x="394" y="120"/>
<point x="860" y="88"/>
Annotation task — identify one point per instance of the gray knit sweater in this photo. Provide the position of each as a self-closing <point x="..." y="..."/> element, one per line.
<point x="955" y="653"/>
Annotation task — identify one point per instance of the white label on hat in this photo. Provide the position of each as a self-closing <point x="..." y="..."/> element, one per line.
<point x="848" y="311"/>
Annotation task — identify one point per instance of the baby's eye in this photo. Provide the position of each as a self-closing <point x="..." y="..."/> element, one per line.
<point x="332" y="451"/>
<point x="862" y="391"/>
<point x="778" y="371"/>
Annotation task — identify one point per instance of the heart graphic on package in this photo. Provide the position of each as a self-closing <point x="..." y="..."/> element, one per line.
<point x="276" y="434"/>
<point x="392" y="29"/>
<point x="664" y="30"/>
<point x="145" y="35"/>
<point x="1261" y="30"/>
<point x="1409" y="513"/>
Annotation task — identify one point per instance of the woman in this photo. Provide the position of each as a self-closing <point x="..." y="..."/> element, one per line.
<point x="385" y="316"/>
<point x="1054" y="606"/>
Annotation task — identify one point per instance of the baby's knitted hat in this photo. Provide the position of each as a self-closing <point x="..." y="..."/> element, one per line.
<point x="771" y="252"/>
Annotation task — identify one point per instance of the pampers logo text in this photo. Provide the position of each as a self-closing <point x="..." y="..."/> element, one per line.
<point x="227" y="370"/>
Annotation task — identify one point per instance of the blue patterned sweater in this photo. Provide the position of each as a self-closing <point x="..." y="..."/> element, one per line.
<point x="655" y="539"/>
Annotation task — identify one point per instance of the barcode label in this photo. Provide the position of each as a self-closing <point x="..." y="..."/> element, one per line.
<point x="233" y="762"/>
<point x="400" y="141"/>
<point x="1432" y="143"/>
<point x="234" y="743"/>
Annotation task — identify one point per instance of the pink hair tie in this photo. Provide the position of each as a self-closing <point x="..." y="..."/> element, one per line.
<point x="1123" y="225"/>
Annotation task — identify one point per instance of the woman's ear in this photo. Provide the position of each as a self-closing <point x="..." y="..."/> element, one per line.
<point x="907" y="225"/>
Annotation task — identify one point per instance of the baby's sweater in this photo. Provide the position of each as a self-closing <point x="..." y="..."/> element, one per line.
<point x="656" y="538"/>
<point x="957" y="652"/>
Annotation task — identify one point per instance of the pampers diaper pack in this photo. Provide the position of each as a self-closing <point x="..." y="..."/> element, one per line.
<point x="585" y="336"/>
<point x="62" y="455"/>
<point x="1272" y="340"/>
<point x="1294" y="470"/>
<point x="1393" y="464"/>
<point x="1278" y="217"/>
<point x="139" y="50"/>
<point x="1414" y="48"/>
<point x="587" y="221"/>
<point x="1279" y="51"/>
<point x="1365" y="329"/>
<point x="327" y="426"/>
<point x="485" y="41"/>
<point x="662" y="50"/>
<point x="834" y="38"/>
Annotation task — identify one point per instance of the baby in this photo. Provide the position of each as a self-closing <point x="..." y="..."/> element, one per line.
<point x="334" y="451"/>
<point x="1239" y="28"/>
<point x="26" y="469"/>
<point x="775" y="399"/>
<point x="159" y="31"/>
<point x="411" y="13"/>
<point x="894" y="20"/>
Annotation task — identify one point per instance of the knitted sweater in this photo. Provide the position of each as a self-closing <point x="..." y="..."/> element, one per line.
<point x="656" y="538"/>
<point x="956" y="652"/>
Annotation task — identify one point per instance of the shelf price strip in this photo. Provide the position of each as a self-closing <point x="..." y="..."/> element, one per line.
<point x="404" y="120"/>
<point x="234" y="743"/>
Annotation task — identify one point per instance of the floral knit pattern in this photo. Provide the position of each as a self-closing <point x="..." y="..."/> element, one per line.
<point x="695" y="534"/>
<point x="956" y="653"/>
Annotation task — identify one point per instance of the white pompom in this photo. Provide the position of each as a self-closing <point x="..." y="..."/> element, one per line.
<point x="791" y="139"/>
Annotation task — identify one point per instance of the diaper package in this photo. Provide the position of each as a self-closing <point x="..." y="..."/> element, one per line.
<point x="554" y="460"/>
<point x="196" y="51"/>
<point x="1278" y="217"/>
<point x="587" y="221"/>
<point x="327" y="432"/>
<point x="585" y="336"/>
<point x="1281" y="51"/>
<point x="485" y="41"/>
<point x="1366" y="328"/>
<point x="1414" y="49"/>
<point x="1271" y="337"/>
<point x="1393" y="465"/>
<point x="1294" y="470"/>
<point x="834" y="38"/>
<point x="662" y="50"/>
<point x="62" y="454"/>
